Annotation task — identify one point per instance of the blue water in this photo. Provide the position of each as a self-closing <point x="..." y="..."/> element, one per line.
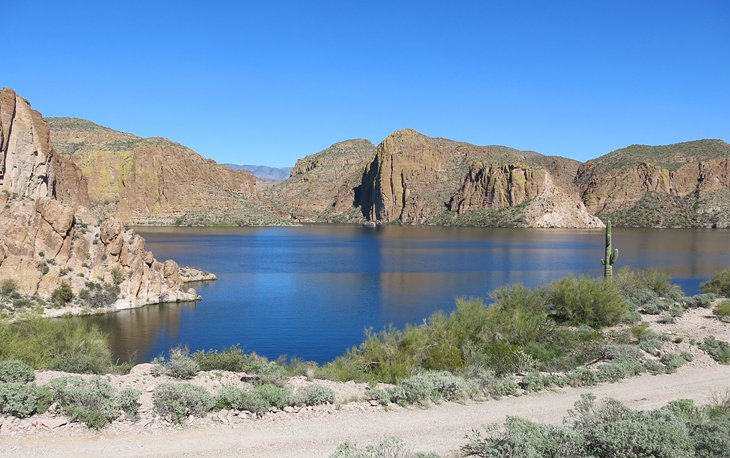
<point x="310" y="291"/>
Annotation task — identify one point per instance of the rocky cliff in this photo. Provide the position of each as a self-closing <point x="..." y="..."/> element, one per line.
<point x="322" y="186"/>
<point x="415" y="179"/>
<point x="681" y="185"/>
<point x="47" y="238"/>
<point x="156" y="181"/>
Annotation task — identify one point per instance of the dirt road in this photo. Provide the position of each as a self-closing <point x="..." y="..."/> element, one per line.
<point x="441" y="428"/>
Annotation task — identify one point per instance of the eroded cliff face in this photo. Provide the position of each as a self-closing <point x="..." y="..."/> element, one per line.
<point x="322" y="186"/>
<point x="681" y="185"/>
<point x="156" y="181"/>
<point x="415" y="179"/>
<point x="46" y="237"/>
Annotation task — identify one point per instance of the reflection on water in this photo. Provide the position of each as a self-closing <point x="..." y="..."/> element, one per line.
<point x="310" y="291"/>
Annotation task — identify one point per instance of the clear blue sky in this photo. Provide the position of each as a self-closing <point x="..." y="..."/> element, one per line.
<point x="268" y="82"/>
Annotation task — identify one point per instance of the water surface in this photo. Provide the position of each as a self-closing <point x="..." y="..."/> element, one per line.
<point x="310" y="291"/>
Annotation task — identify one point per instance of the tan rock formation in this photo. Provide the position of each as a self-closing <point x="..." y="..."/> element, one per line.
<point x="156" y="181"/>
<point x="322" y="186"/>
<point x="415" y="179"/>
<point x="681" y="185"/>
<point x="47" y="238"/>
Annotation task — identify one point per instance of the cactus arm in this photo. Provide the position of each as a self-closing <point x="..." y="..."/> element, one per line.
<point x="614" y="256"/>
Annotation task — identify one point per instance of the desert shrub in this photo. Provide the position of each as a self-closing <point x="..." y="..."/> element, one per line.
<point x="722" y="310"/>
<point x="117" y="275"/>
<point x="377" y="394"/>
<point x="65" y="344"/>
<point x="581" y="377"/>
<point x="719" y="284"/>
<point x="392" y="447"/>
<point x="12" y="370"/>
<point x="274" y="396"/>
<point x="229" y="359"/>
<point x="8" y="287"/>
<point x="673" y="361"/>
<point x="610" y="372"/>
<point x="62" y="295"/>
<point x="533" y="381"/>
<point x="180" y="365"/>
<point x="312" y="395"/>
<point x="129" y="403"/>
<point x="666" y="318"/>
<point x="651" y="343"/>
<point x="96" y="295"/>
<point x="719" y="350"/>
<point x="521" y="437"/>
<point x="230" y="397"/>
<point x="23" y="399"/>
<point x="583" y="300"/>
<point x="92" y="401"/>
<point x="700" y="300"/>
<point x="176" y="401"/>
<point x="432" y="386"/>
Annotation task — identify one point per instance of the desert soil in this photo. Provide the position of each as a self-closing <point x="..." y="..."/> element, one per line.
<point x="318" y="431"/>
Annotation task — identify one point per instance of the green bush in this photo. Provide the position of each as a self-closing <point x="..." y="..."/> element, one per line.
<point x="375" y="393"/>
<point x="673" y="361"/>
<point x="12" y="370"/>
<point x="230" y="397"/>
<point x="230" y="359"/>
<point x="129" y="403"/>
<point x="583" y="300"/>
<point x="719" y="284"/>
<point x="8" y="287"/>
<point x="176" y="401"/>
<point x="312" y="395"/>
<point x="96" y="295"/>
<point x="22" y="400"/>
<point x="62" y="295"/>
<point x="92" y="401"/>
<point x="487" y="382"/>
<point x="65" y="344"/>
<point x="722" y="310"/>
<point x="179" y="366"/>
<point x="391" y="447"/>
<point x="274" y="396"/>
<point x="700" y="300"/>
<point x="428" y="387"/>
<point x="717" y="349"/>
<point x="117" y="275"/>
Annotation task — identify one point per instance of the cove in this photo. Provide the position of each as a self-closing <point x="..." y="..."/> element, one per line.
<point x="310" y="291"/>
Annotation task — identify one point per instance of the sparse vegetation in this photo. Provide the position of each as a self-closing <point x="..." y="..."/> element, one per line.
<point x="719" y="284"/>
<point x="62" y="295"/>
<point x="722" y="311"/>
<point x="176" y="401"/>
<point x="609" y="428"/>
<point x="92" y="401"/>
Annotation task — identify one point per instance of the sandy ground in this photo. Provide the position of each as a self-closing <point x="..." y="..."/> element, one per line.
<point x="319" y="430"/>
<point x="441" y="428"/>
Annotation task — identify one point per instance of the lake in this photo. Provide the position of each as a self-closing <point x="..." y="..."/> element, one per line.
<point x="310" y="291"/>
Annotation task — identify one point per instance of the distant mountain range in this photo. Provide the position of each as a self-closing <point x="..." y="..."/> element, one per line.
<point x="408" y="178"/>
<point x="263" y="172"/>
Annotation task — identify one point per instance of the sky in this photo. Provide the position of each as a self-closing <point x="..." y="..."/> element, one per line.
<point x="268" y="82"/>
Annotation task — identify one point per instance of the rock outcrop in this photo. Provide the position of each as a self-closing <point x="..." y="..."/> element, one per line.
<point x="157" y="181"/>
<point x="680" y="185"/>
<point x="322" y="187"/>
<point x="415" y="179"/>
<point x="47" y="238"/>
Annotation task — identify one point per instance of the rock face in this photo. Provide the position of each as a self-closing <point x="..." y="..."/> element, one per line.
<point x="47" y="238"/>
<point x="680" y="185"/>
<point x="29" y="166"/>
<point x="322" y="187"/>
<point x="415" y="179"/>
<point x="156" y="181"/>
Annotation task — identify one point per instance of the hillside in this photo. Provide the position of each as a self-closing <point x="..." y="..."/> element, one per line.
<point x="680" y="185"/>
<point x="263" y="172"/>
<point x="415" y="179"/>
<point x="155" y="180"/>
<point x="50" y="242"/>
<point x="322" y="186"/>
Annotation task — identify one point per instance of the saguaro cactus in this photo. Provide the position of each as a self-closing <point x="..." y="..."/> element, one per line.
<point x="610" y="257"/>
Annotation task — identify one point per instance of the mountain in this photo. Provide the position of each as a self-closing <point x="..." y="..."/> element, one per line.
<point x="322" y="186"/>
<point x="415" y="179"/>
<point x="680" y="185"/>
<point x="155" y="180"/>
<point x="263" y="172"/>
<point x="47" y="235"/>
